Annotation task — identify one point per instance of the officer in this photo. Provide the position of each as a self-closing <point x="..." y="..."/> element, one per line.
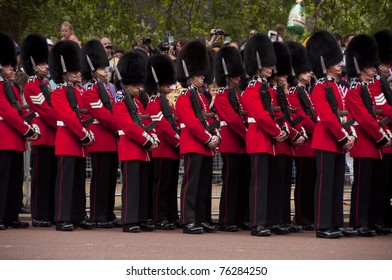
<point x="34" y="54"/>
<point x="72" y="136"/>
<point x="263" y="131"/>
<point x="305" y="156"/>
<point x="361" y="62"/>
<point x="103" y="153"/>
<point x="16" y="129"/>
<point x="160" y="76"/>
<point x="234" y="202"/>
<point x="333" y="135"/>
<point x="137" y="140"/>
<point x="199" y="138"/>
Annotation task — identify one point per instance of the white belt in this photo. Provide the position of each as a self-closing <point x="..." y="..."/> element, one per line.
<point x="251" y="120"/>
<point x="182" y="125"/>
<point x="1" y="118"/>
<point x="355" y="123"/>
<point x="60" y="123"/>
<point x="96" y="121"/>
<point x="223" y="123"/>
<point x="121" y="132"/>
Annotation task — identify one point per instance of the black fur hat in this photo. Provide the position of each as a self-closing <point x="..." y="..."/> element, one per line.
<point x="283" y="59"/>
<point x="133" y="67"/>
<point x="234" y="64"/>
<point x="261" y="44"/>
<point x="195" y="56"/>
<point x="164" y="69"/>
<point x="299" y="58"/>
<point x="322" y="43"/>
<point x="210" y="74"/>
<point x="72" y="58"/>
<point x="97" y="54"/>
<point x="384" y="43"/>
<point x="35" y="46"/>
<point x="7" y="50"/>
<point x="364" y="49"/>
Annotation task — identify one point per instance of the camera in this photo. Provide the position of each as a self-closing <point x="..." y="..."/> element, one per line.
<point x="146" y="40"/>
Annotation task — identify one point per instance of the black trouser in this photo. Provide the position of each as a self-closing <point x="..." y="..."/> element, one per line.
<point x="381" y="211"/>
<point x="150" y="189"/>
<point x="279" y="190"/>
<point x="11" y="184"/>
<point x="103" y="186"/>
<point x="165" y="189"/>
<point x="258" y="190"/>
<point x="43" y="182"/>
<point x="70" y="195"/>
<point x="305" y="179"/>
<point x="134" y="191"/>
<point x="234" y="201"/>
<point x="362" y="188"/>
<point x="329" y="190"/>
<point x="196" y="189"/>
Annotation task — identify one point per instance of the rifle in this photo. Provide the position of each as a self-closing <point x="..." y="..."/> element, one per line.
<point x="284" y="105"/>
<point x="305" y="103"/>
<point x="72" y="98"/>
<point x="386" y="90"/>
<point x="131" y="107"/>
<point x="333" y="103"/>
<point x="366" y="99"/>
<point x="267" y="103"/>
<point x="165" y="107"/>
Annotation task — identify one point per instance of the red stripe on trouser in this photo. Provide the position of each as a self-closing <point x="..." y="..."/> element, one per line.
<point x="357" y="195"/>
<point x="255" y="191"/>
<point x="320" y="187"/>
<point x="61" y="188"/>
<point x="184" y="192"/>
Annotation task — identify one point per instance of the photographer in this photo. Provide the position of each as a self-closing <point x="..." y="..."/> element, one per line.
<point x="144" y="44"/>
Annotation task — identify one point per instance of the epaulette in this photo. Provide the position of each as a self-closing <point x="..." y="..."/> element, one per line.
<point x="183" y="91"/>
<point x="292" y="90"/>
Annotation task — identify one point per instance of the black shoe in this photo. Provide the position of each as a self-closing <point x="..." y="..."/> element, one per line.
<point x="2" y="225"/>
<point x="328" y="233"/>
<point x="293" y="228"/>
<point x="166" y="225"/>
<point x="17" y="224"/>
<point x="84" y="225"/>
<point x="308" y="227"/>
<point x="347" y="232"/>
<point x="208" y="228"/>
<point x="245" y="226"/>
<point x="279" y="229"/>
<point x="192" y="228"/>
<point x="24" y="210"/>
<point x="103" y="224"/>
<point x="148" y="226"/>
<point x="133" y="228"/>
<point x="41" y="223"/>
<point x="65" y="226"/>
<point x="381" y="230"/>
<point x="366" y="232"/>
<point x="229" y="228"/>
<point x="260" y="231"/>
<point x="117" y="223"/>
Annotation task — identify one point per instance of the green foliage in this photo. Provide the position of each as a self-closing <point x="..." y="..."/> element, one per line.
<point x="123" y="20"/>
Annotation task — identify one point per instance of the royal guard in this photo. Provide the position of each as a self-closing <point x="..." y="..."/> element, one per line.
<point x="332" y="137"/>
<point x="14" y="123"/>
<point x="381" y="219"/>
<point x="103" y="153"/>
<point x="281" y="164"/>
<point x="234" y="202"/>
<point x="160" y="76"/>
<point x="361" y="62"/>
<point x="263" y="131"/>
<point x="34" y="54"/>
<point x="199" y="138"/>
<point x="137" y="140"/>
<point x="72" y="137"/>
<point x="305" y="156"/>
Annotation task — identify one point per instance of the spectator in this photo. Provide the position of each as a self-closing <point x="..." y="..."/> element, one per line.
<point x="67" y="33"/>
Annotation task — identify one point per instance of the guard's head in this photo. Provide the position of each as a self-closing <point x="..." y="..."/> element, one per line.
<point x="299" y="58"/>
<point x="35" y="46"/>
<point x="70" y="51"/>
<point x="7" y="50"/>
<point x="283" y="59"/>
<point x="133" y="68"/>
<point x="261" y="44"/>
<point x="97" y="54"/>
<point x="384" y="43"/>
<point x="164" y="70"/>
<point x="233" y="60"/>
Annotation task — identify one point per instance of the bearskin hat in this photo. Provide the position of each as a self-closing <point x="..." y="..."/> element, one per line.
<point x="233" y="60"/>
<point x="97" y="54"/>
<point x="261" y="44"/>
<point x="72" y="58"/>
<point x="299" y="58"/>
<point x="323" y="44"/>
<point x="364" y="49"/>
<point x="210" y="74"/>
<point x="133" y="67"/>
<point x="164" y="69"/>
<point x="384" y="43"/>
<point x="7" y="50"/>
<point x="283" y="59"/>
<point x="195" y="56"/>
<point x="35" y="46"/>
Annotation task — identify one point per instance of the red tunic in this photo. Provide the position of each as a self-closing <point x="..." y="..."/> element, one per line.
<point x="169" y="139"/>
<point x="104" y="126"/>
<point x="233" y="130"/>
<point x="46" y="120"/>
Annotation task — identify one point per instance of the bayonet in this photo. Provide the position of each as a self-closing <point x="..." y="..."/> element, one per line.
<point x="63" y="64"/>
<point x="154" y="75"/>
<point x="258" y="61"/>
<point x="356" y="66"/>
<point x="117" y="73"/>
<point x="185" y="69"/>
<point x="90" y="63"/>
<point x="323" y="66"/>
<point x="224" y="67"/>
<point x="33" y="63"/>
